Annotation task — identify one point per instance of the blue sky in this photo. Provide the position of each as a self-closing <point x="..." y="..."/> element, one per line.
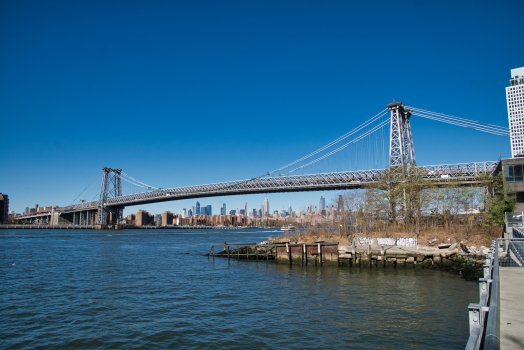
<point x="181" y="93"/>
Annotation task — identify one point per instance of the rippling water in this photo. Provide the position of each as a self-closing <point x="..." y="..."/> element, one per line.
<point x="150" y="289"/>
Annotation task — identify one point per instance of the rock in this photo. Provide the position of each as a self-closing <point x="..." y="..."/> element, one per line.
<point x="464" y="248"/>
<point x="453" y="246"/>
<point x="432" y="241"/>
<point x="473" y="249"/>
<point x="485" y="251"/>
<point x="444" y="246"/>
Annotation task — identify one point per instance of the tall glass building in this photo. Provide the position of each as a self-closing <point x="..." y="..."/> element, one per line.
<point x="515" y="100"/>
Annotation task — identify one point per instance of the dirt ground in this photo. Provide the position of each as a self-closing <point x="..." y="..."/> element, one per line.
<point x="470" y="236"/>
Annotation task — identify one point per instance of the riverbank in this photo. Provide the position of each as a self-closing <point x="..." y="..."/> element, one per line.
<point x="116" y="227"/>
<point x="368" y="255"/>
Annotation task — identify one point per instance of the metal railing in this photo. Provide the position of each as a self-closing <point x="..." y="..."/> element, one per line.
<point x="484" y="317"/>
<point x="513" y="220"/>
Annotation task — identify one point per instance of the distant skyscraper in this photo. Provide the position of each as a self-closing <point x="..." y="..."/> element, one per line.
<point x="322" y="204"/>
<point x="515" y="100"/>
<point x="224" y="207"/>
<point x="266" y="206"/>
<point x="4" y="207"/>
<point x="209" y="210"/>
<point x="184" y="213"/>
<point x="197" y="212"/>
<point x="203" y="211"/>
<point x="190" y="212"/>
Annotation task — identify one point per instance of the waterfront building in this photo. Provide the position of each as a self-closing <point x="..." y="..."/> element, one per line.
<point x="167" y="218"/>
<point x="4" y="207"/>
<point x="143" y="218"/>
<point x="515" y="101"/>
<point x="266" y="206"/>
<point x="197" y="210"/>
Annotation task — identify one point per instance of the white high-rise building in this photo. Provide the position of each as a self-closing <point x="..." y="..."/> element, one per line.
<point x="266" y="206"/>
<point x="515" y="99"/>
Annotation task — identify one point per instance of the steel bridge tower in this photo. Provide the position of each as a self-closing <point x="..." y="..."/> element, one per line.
<point x="401" y="151"/>
<point x="111" y="187"/>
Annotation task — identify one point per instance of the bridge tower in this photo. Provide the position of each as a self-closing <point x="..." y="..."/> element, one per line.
<point x="111" y="187"/>
<point x="401" y="151"/>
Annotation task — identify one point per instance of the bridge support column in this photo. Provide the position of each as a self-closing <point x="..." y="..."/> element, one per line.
<point x="401" y="150"/>
<point x="111" y="185"/>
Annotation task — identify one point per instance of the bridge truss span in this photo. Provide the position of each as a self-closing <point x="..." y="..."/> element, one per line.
<point x="444" y="173"/>
<point x="296" y="183"/>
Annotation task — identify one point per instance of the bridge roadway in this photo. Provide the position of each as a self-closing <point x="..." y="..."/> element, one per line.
<point x="297" y="183"/>
<point x="466" y="172"/>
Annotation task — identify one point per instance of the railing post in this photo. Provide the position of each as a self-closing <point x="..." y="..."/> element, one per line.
<point x="475" y="322"/>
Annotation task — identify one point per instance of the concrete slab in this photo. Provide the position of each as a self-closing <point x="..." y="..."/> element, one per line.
<point x="511" y="308"/>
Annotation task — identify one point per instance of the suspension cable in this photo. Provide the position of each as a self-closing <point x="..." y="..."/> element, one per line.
<point x="367" y="133"/>
<point x="472" y="124"/>
<point x="459" y="118"/>
<point x="95" y="179"/>
<point x="132" y="183"/>
<point x="141" y="183"/>
<point x="366" y="123"/>
<point x="494" y="132"/>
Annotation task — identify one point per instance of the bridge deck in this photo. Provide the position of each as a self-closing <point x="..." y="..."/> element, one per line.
<point x="511" y="308"/>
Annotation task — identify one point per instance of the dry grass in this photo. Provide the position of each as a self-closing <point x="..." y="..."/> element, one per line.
<point x="476" y="235"/>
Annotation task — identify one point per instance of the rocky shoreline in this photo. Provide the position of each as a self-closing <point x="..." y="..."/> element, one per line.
<point x="453" y="258"/>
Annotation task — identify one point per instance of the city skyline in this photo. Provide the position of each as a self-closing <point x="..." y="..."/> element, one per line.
<point x="178" y="96"/>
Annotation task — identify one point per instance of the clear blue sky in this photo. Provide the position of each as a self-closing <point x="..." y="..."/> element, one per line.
<point x="181" y="93"/>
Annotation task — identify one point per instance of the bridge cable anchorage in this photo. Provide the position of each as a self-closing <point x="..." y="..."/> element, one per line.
<point x="472" y="124"/>
<point x="378" y="127"/>
<point x="90" y="184"/>
<point x="358" y="128"/>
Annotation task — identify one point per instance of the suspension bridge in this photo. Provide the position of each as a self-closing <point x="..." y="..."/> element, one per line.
<point x="118" y="189"/>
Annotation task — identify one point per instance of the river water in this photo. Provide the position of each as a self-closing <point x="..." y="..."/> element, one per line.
<point x="154" y="289"/>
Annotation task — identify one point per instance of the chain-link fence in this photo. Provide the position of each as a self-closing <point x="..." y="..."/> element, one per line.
<point x="511" y="251"/>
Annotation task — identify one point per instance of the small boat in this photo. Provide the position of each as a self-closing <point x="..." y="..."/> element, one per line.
<point x="289" y="228"/>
